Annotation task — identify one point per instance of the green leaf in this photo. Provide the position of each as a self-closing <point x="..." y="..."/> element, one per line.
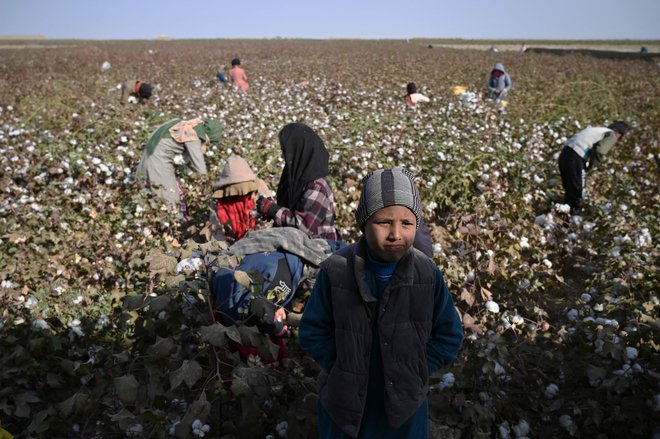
<point x="158" y="303"/>
<point x="215" y="334"/>
<point x="124" y="419"/>
<point x="162" y="348"/>
<point x="74" y="405"/>
<point x="160" y="263"/>
<point x="126" y="388"/>
<point x="242" y="278"/>
<point x="189" y="372"/>
<point x="22" y="400"/>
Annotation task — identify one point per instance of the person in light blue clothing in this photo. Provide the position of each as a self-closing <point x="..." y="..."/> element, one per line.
<point x="499" y="83"/>
<point x="380" y="320"/>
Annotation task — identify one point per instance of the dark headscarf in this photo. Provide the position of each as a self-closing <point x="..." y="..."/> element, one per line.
<point x="305" y="160"/>
<point x="144" y="90"/>
<point x="619" y="126"/>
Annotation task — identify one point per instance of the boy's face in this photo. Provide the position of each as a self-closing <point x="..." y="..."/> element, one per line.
<point x="390" y="232"/>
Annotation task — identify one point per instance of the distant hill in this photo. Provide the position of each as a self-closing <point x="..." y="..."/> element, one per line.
<point x="23" y="37"/>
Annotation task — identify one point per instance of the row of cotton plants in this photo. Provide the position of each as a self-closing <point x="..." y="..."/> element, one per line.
<point x="101" y="334"/>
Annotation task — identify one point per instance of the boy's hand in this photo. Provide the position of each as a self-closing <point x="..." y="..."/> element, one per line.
<point x="267" y="207"/>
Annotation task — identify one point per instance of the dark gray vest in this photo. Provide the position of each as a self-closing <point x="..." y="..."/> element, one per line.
<point x="405" y="314"/>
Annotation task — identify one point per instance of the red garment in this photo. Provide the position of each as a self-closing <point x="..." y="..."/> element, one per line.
<point x="234" y="212"/>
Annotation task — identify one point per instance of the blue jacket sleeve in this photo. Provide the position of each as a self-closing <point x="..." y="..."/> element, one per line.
<point x="317" y="330"/>
<point x="447" y="331"/>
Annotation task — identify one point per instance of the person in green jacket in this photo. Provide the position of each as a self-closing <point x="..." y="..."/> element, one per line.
<point x="380" y="320"/>
<point x="177" y="142"/>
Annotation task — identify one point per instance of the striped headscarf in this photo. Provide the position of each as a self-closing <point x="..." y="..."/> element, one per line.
<point x="387" y="187"/>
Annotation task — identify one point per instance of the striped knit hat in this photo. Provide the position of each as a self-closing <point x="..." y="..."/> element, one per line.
<point x="387" y="187"/>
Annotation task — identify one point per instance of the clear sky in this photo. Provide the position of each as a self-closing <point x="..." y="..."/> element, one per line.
<point x="371" y="19"/>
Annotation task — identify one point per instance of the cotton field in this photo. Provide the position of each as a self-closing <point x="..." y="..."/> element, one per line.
<point x="105" y="328"/>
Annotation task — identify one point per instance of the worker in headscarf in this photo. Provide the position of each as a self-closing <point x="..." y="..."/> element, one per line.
<point x="412" y="96"/>
<point x="177" y="142"/>
<point x="499" y="83"/>
<point x="304" y="197"/>
<point x="235" y="194"/>
<point x="137" y="90"/>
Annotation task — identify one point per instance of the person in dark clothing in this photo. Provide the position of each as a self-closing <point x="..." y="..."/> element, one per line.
<point x="380" y="320"/>
<point x="304" y="197"/>
<point x="581" y="153"/>
<point x="137" y="90"/>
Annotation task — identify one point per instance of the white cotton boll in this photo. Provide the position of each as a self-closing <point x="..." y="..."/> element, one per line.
<point x="504" y="430"/>
<point x="586" y="297"/>
<point x="572" y="314"/>
<point x="565" y="421"/>
<point x="40" y="325"/>
<point x="625" y="370"/>
<point x="103" y="321"/>
<point x="551" y="391"/>
<point x="179" y="160"/>
<point x="517" y="319"/>
<point x="499" y="369"/>
<point x="588" y="227"/>
<point x="492" y="307"/>
<point x="563" y="208"/>
<point x="521" y="429"/>
<point x="470" y="277"/>
<point x="523" y="243"/>
<point x="631" y="353"/>
<point x="656" y="402"/>
<point x="281" y="428"/>
<point x="607" y="322"/>
<point x="527" y="198"/>
<point x="547" y="263"/>
<point x="105" y="66"/>
<point x="448" y="380"/>
<point x="576" y="220"/>
<point x="197" y="423"/>
<point x="643" y="239"/>
<point x="437" y="248"/>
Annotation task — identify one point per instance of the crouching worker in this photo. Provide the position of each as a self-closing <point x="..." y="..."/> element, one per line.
<point x="135" y="91"/>
<point x="259" y="289"/>
<point x="235" y="194"/>
<point x="579" y="155"/>
<point x="380" y="320"/>
<point x="184" y="140"/>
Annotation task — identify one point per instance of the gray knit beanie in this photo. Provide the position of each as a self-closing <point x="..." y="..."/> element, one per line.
<point x="387" y="187"/>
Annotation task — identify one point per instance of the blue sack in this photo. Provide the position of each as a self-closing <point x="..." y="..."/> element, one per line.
<point x="280" y="273"/>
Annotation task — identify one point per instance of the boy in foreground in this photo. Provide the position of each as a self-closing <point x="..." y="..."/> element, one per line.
<point x="380" y="320"/>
